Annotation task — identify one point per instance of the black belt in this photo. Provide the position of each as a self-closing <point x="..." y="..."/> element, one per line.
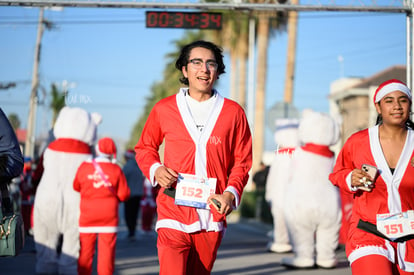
<point x="372" y="228"/>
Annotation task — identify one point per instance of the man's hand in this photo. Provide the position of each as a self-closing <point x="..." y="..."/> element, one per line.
<point x="226" y="201"/>
<point x="165" y="176"/>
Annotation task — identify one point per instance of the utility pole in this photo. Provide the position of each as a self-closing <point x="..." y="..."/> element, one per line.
<point x="31" y="121"/>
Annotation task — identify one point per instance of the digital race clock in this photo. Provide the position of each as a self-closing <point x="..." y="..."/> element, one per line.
<point x="185" y="20"/>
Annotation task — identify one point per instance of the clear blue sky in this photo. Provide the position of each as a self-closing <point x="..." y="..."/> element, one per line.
<point x="111" y="59"/>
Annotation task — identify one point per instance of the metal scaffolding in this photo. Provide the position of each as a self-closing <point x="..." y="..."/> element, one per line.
<point x="399" y="6"/>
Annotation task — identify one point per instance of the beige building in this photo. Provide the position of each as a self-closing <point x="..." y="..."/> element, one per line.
<point x="351" y="101"/>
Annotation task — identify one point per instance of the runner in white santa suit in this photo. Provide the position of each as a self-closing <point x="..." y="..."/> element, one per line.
<point x="287" y="139"/>
<point x="56" y="206"/>
<point x="312" y="204"/>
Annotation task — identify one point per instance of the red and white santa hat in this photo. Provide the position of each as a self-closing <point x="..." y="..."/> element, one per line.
<point x="106" y="147"/>
<point x="389" y="86"/>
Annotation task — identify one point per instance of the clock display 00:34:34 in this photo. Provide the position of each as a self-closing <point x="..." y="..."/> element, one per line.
<point x="185" y="20"/>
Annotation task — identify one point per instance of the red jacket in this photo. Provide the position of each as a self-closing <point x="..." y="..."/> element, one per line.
<point x="223" y="150"/>
<point x="393" y="193"/>
<point x="99" y="203"/>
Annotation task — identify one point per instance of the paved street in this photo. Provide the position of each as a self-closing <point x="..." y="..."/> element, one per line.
<point x="242" y="252"/>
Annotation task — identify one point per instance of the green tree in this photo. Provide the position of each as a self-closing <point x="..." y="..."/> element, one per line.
<point x="14" y="121"/>
<point x="163" y="88"/>
<point x="57" y="101"/>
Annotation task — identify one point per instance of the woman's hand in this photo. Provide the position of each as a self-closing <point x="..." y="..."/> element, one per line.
<point x="362" y="180"/>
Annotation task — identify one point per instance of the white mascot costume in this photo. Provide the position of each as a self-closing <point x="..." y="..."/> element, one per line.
<point x="287" y="139"/>
<point x="312" y="203"/>
<point x="56" y="206"/>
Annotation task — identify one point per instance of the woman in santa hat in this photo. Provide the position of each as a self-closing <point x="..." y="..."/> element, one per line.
<point x="102" y="185"/>
<point x="380" y="238"/>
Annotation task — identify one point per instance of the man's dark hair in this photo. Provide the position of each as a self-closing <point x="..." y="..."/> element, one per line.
<point x="183" y="59"/>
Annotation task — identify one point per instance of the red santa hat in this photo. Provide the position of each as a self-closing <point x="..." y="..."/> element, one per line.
<point x="391" y="86"/>
<point x="106" y="147"/>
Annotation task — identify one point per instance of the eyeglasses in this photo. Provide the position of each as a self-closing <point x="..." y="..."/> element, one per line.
<point x="197" y="64"/>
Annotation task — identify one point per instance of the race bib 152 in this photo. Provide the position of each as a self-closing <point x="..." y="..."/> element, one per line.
<point x="194" y="191"/>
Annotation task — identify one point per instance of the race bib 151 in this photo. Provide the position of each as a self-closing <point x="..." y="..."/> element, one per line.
<point x="396" y="225"/>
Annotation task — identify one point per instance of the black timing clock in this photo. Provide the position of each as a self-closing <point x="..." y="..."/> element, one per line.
<point x="184" y="20"/>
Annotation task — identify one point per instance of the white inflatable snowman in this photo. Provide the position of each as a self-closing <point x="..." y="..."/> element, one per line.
<point x="56" y="206"/>
<point x="312" y="204"/>
<point x="287" y="139"/>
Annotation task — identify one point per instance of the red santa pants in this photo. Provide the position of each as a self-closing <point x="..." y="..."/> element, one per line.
<point x="181" y="253"/>
<point x="106" y="253"/>
<point x="376" y="264"/>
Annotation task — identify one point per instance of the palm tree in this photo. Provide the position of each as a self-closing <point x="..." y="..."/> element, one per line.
<point x="268" y="21"/>
<point x="166" y="87"/>
<point x="258" y="131"/>
<point x="57" y="102"/>
<point x="14" y="121"/>
<point x="233" y="38"/>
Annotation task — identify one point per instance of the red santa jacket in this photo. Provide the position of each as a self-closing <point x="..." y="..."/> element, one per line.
<point x="223" y="150"/>
<point x="99" y="202"/>
<point x="393" y="193"/>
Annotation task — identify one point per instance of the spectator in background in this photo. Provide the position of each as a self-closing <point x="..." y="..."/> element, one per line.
<point x="27" y="192"/>
<point x="11" y="158"/>
<point x="148" y="206"/>
<point x="101" y="185"/>
<point x="135" y="180"/>
<point x="260" y="179"/>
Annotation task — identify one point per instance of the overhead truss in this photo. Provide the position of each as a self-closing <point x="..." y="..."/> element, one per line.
<point x="393" y="6"/>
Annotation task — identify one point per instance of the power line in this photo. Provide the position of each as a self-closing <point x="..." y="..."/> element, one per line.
<point x="74" y="22"/>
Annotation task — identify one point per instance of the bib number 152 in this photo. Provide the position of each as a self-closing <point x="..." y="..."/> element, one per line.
<point x="194" y="191"/>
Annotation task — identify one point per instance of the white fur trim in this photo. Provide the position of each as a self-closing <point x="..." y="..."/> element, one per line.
<point x="98" y="152"/>
<point x="152" y="173"/>
<point x="391" y="88"/>
<point x="370" y="250"/>
<point x="233" y="190"/>
<point x="98" y="229"/>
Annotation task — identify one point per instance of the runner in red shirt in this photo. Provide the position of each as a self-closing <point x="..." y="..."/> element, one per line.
<point x="208" y="147"/>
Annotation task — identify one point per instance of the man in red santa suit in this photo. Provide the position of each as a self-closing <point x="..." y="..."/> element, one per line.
<point x="208" y="150"/>
<point x="102" y="185"/>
